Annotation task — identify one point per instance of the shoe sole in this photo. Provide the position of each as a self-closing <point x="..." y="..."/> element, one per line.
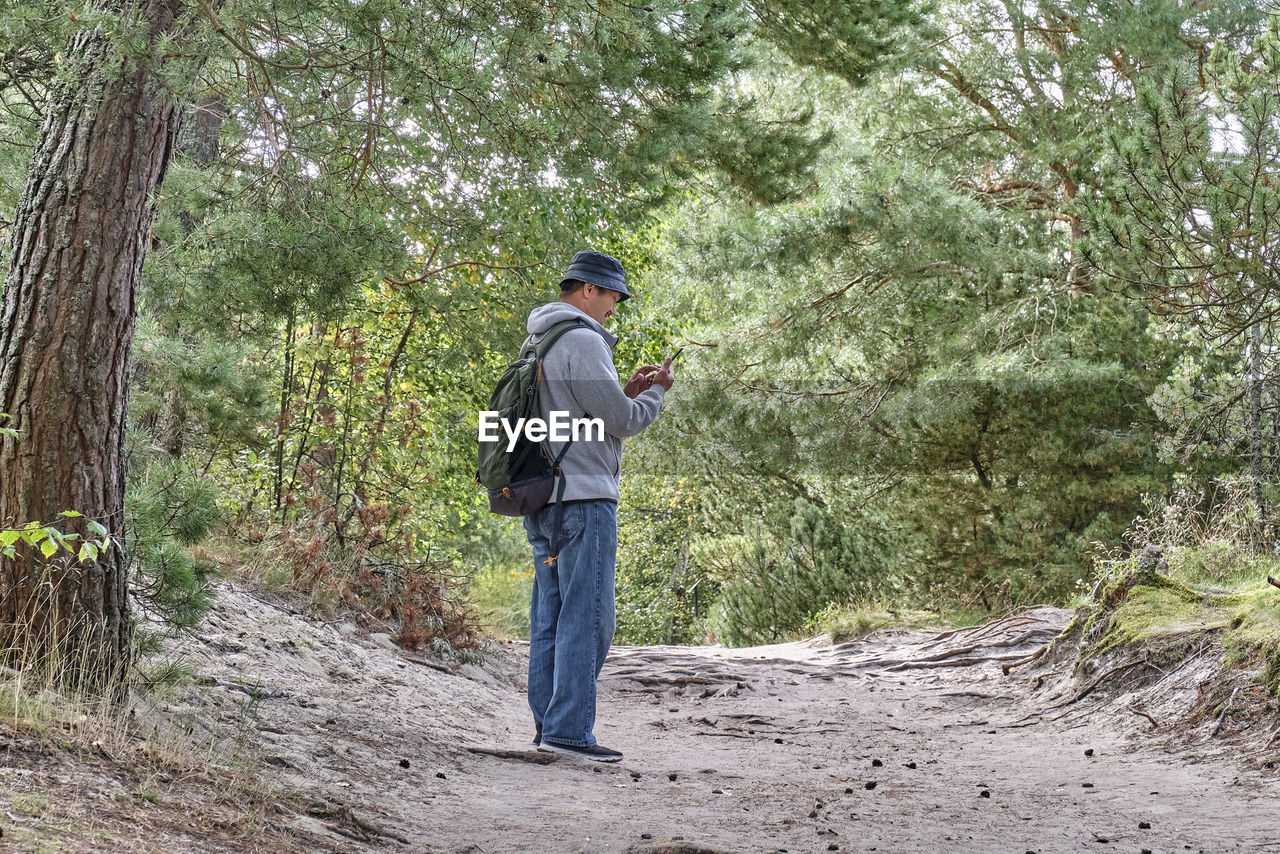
<point x="548" y="747"/>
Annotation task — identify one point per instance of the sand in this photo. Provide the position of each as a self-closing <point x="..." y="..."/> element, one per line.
<point x="901" y="742"/>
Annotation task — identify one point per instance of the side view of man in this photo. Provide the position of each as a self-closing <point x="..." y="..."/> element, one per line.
<point x="571" y="617"/>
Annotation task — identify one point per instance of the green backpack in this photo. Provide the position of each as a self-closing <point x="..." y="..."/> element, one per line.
<point x="520" y="481"/>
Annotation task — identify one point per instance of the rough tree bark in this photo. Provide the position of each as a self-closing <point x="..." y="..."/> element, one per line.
<point x="79" y="238"/>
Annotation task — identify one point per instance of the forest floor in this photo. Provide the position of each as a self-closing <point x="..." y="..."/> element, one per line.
<point x="899" y="742"/>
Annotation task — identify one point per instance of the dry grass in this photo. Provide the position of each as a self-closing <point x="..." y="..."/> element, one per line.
<point x="85" y="773"/>
<point x="86" y="770"/>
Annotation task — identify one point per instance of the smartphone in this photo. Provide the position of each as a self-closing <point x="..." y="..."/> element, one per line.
<point x="676" y="355"/>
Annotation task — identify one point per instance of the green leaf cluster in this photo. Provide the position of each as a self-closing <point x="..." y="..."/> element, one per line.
<point x="50" y="541"/>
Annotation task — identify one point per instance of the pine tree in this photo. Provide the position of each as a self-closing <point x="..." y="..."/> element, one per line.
<point x="921" y="339"/>
<point x="77" y="248"/>
<point x="1186" y="222"/>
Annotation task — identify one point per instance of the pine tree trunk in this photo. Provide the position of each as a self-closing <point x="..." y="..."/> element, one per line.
<point x="80" y="235"/>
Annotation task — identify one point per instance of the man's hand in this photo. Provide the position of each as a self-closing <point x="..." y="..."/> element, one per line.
<point x="640" y="380"/>
<point x="664" y="376"/>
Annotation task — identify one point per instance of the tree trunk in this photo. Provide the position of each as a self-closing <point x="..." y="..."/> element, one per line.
<point x="80" y="235"/>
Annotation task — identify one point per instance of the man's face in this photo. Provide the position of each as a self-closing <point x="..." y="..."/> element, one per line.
<point x="600" y="303"/>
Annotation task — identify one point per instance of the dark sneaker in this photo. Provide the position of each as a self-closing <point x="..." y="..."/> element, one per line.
<point x="537" y="735"/>
<point x="594" y="753"/>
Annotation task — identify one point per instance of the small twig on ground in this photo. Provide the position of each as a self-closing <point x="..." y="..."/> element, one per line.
<point x="1029" y="720"/>
<point x="1154" y="723"/>
<point x="418" y="659"/>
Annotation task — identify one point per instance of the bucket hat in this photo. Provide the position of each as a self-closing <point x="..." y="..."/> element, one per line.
<point x="596" y="268"/>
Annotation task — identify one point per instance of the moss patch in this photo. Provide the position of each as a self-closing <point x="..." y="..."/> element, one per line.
<point x="1253" y="638"/>
<point x="1208" y="589"/>
<point x="1160" y="611"/>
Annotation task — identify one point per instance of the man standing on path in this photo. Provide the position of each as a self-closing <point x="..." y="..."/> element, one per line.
<point x="571" y="618"/>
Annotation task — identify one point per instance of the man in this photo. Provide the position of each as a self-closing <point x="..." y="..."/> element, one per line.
<point x="571" y="618"/>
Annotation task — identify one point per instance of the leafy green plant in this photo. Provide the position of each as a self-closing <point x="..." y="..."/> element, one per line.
<point x="48" y="540"/>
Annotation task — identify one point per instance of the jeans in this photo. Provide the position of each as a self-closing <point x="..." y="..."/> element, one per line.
<point x="571" y="618"/>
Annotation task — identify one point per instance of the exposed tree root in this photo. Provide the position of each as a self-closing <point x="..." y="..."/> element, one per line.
<point x="1067" y="630"/>
<point x="674" y="848"/>
<point x="949" y="662"/>
<point x="531" y="756"/>
<point x="1035" y="656"/>
<point x="347" y="823"/>
<point x="975" y="632"/>
<point x="1088" y="689"/>
<point x="1224" y="713"/>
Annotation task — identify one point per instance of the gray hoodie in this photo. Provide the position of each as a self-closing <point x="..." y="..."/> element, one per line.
<point x="579" y="378"/>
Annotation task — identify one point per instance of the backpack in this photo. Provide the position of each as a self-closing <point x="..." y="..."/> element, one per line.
<point x="520" y="481"/>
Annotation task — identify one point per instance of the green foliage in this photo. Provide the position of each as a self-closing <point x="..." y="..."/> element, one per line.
<point x="778" y="588"/>
<point x="1190" y="205"/>
<point x="1186" y="220"/>
<point x="663" y="593"/>
<point x="259" y="254"/>
<point x="859" y="617"/>
<point x="848" y="40"/>
<point x="918" y="333"/>
<point x="49" y="540"/>
<point x="170" y="508"/>
<point x="500" y="598"/>
<point x="900" y="241"/>
<point x="194" y="389"/>
<point x="358" y="204"/>
<point x="53" y="543"/>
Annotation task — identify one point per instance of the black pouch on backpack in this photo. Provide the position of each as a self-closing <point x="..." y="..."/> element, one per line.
<point x="523" y="497"/>
<point x="533" y="479"/>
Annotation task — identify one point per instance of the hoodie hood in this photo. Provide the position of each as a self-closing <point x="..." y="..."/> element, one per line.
<point x="544" y="317"/>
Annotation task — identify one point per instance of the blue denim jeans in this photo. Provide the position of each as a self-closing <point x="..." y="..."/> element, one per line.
<point x="571" y="618"/>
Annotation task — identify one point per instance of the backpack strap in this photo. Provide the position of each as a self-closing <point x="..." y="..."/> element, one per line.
<point x="551" y="336"/>
<point x="557" y="514"/>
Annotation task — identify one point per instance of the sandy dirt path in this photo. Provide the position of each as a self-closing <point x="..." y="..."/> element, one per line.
<point x="903" y="742"/>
